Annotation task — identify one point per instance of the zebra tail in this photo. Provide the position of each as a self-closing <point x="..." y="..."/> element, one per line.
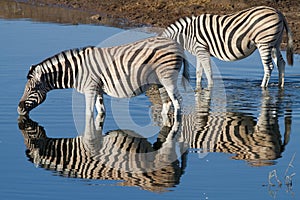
<point x="185" y="80"/>
<point x="289" y="49"/>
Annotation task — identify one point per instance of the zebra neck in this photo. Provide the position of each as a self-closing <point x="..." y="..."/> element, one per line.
<point x="61" y="70"/>
<point x="182" y="32"/>
<point x="57" y="80"/>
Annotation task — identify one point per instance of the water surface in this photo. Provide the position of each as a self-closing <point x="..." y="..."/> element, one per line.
<point x="229" y="144"/>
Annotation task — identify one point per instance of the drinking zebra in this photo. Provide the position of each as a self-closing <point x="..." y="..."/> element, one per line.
<point x="122" y="155"/>
<point x="233" y="37"/>
<point x="120" y="71"/>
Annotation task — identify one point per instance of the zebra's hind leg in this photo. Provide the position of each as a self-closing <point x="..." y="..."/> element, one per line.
<point x="279" y="61"/>
<point x="100" y="112"/>
<point x="166" y="104"/>
<point x="266" y="58"/>
<point x="173" y="93"/>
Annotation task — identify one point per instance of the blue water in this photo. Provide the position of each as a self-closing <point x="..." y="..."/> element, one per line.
<point x="206" y="174"/>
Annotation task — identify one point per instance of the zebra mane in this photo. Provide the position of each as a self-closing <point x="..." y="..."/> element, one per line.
<point x="35" y="70"/>
<point x="178" y="27"/>
<point x="184" y="20"/>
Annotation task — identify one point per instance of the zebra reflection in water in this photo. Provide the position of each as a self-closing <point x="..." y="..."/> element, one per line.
<point x="258" y="141"/>
<point x="255" y="140"/>
<point x="118" y="155"/>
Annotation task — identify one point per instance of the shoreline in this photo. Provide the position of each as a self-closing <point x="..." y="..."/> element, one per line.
<point x="134" y="13"/>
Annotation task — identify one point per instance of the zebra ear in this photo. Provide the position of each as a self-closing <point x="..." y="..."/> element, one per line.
<point x="30" y="72"/>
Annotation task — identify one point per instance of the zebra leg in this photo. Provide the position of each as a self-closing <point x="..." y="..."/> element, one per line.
<point x="172" y="90"/>
<point x="101" y="112"/>
<point x="279" y="61"/>
<point x="89" y="131"/>
<point x="199" y="72"/>
<point x="204" y="57"/>
<point x="165" y="107"/>
<point x="266" y="58"/>
<point x="92" y="138"/>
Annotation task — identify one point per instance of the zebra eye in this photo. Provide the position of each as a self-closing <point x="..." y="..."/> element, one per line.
<point x="38" y="85"/>
<point x="28" y="89"/>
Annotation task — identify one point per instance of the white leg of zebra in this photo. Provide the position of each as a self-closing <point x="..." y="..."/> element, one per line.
<point x="89" y="132"/>
<point x="199" y="72"/>
<point x="279" y="61"/>
<point x="165" y="107"/>
<point x="176" y="98"/>
<point x="92" y="137"/>
<point x="266" y="58"/>
<point x="204" y="60"/>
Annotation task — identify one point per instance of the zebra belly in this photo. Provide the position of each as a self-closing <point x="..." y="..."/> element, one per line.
<point x="130" y="85"/>
<point x="118" y="94"/>
<point x="125" y="91"/>
<point x="235" y="54"/>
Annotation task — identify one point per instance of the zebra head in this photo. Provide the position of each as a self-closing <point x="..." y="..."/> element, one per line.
<point x="35" y="91"/>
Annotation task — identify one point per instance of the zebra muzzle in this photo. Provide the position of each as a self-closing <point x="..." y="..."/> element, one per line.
<point x="22" y="110"/>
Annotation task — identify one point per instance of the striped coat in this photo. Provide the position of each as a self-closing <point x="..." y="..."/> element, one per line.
<point x="121" y="71"/>
<point x="233" y="37"/>
<point x="119" y="155"/>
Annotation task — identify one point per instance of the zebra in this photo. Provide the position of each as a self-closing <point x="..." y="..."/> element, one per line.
<point x="123" y="155"/>
<point x="121" y="71"/>
<point x="233" y="37"/>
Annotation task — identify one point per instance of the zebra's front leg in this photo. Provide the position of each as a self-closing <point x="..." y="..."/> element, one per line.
<point x="199" y="73"/>
<point x="266" y="58"/>
<point x="92" y="138"/>
<point x="89" y="132"/>
<point x="204" y="60"/>
<point x="100" y="112"/>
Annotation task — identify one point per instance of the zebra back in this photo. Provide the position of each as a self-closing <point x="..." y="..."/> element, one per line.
<point x="232" y="36"/>
<point x="119" y="71"/>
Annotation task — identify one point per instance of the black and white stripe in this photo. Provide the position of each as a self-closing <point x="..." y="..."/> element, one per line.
<point x="121" y="71"/>
<point x="119" y="155"/>
<point x="255" y="140"/>
<point x="258" y="140"/>
<point x="234" y="36"/>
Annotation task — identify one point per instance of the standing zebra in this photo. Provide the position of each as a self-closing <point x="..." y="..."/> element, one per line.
<point x="121" y="71"/>
<point x="233" y="37"/>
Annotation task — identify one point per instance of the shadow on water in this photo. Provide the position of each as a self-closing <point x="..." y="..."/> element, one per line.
<point x="127" y="156"/>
